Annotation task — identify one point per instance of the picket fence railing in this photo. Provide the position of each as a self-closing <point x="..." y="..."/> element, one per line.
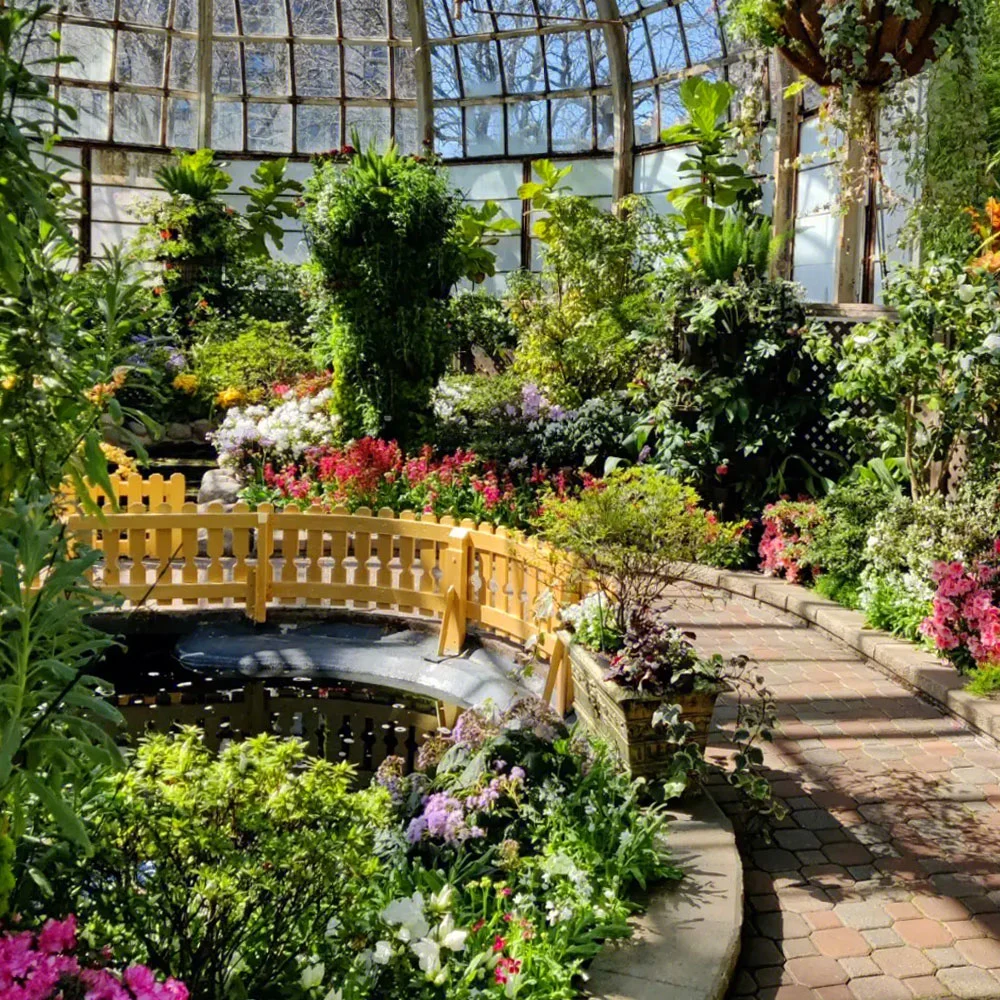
<point x="172" y="555"/>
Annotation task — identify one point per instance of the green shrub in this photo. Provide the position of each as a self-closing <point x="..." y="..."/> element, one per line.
<point x="383" y="231"/>
<point x="896" y="602"/>
<point x="222" y="869"/>
<point x="838" y="547"/>
<point x="250" y="361"/>
<point x="480" y="324"/>
<point x="626" y="534"/>
<point x="985" y="681"/>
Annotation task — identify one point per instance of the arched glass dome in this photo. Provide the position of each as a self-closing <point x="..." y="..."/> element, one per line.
<point x="505" y="78"/>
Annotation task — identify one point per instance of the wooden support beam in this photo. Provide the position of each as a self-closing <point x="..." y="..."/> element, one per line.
<point x="786" y="173"/>
<point x="623" y="181"/>
<point x="422" y="73"/>
<point x="206" y="25"/>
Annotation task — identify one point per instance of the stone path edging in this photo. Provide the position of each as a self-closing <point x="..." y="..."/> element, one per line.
<point x="905" y="660"/>
<point x="687" y="941"/>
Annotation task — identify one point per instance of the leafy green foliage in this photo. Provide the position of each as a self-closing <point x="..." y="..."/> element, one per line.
<point x="383" y="230"/>
<point x="712" y="179"/>
<point x="480" y="324"/>
<point x="929" y="380"/>
<point x="985" y="682"/>
<point x="269" y="203"/>
<point x="248" y="355"/>
<point x="54" y="721"/>
<point x="478" y="229"/>
<point x="627" y="534"/>
<point x="223" y="868"/>
<point x="733" y="243"/>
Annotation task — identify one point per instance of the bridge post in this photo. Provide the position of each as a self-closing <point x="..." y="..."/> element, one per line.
<point x="455" y="587"/>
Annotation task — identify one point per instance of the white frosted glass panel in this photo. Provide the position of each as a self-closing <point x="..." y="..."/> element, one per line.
<point x="183" y="64"/>
<point x="814" y="143"/>
<point x="572" y="124"/>
<point x="490" y="180"/>
<point x="589" y="177"/>
<point x="660" y="170"/>
<point x="405" y="129"/>
<point x="816" y="191"/>
<point x="317" y="70"/>
<point x="140" y="58"/>
<point x="448" y="132"/>
<point x="644" y="102"/>
<point x="263" y="17"/>
<point x="816" y="280"/>
<point x="110" y="234"/>
<point x="366" y="70"/>
<point x="267" y="69"/>
<point x="315" y="17"/>
<point x="480" y="69"/>
<point x="145" y="11"/>
<point x="404" y="73"/>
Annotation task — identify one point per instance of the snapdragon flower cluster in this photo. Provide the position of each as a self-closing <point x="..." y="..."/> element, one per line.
<point x="46" y="965"/>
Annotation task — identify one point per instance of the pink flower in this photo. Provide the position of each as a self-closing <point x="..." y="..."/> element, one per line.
<point x="57" y="936"/>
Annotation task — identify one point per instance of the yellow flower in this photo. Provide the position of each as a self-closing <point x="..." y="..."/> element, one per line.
<point x="186" y="382"/>
<point x="229" y="397"/>
<point x="117" y="456"/>
<point x="8" y="382"/>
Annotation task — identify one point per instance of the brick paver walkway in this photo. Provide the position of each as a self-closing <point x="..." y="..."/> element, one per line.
<point x="884" y="881"/>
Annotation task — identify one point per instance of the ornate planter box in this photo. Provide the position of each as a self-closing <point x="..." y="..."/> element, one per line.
<point x="624" y="718"/>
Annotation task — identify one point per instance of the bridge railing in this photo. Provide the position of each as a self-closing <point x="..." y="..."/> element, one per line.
<point x="174" y="556"/>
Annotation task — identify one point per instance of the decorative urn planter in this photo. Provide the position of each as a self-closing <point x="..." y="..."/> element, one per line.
<point x="624" y="718"/>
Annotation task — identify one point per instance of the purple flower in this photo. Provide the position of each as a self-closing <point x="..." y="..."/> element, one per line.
<point x="517" y="773"/>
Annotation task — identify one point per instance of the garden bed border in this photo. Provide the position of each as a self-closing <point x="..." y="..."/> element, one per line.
<point x="916" y="667"/>
<point x="686" y="943"/>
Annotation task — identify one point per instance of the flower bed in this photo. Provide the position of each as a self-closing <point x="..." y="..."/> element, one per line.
<point x="496" y="869"/>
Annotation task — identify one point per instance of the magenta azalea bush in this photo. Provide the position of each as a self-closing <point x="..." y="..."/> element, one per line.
<point x="965" y="621"/>
<point x="788" y="527"/>
<point x="48" y="965"/>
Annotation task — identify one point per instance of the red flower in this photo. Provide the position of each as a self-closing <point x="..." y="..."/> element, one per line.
<point x="159" y="290"/>
<point x="478" y="925"/>
<point x="722" y="470"/>
<point x="498" y="944"/>
<point x="202" y="303"/>
<point x="165" y="234"/>
<point x="168" y="265"/>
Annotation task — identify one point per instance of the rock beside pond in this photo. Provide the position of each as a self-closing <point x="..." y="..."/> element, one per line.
<point x="199" y="428"/>
<point x="217" y="484"/>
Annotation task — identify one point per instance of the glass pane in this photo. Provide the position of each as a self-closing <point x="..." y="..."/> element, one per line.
<point x="701" y="25"/>
<point x="405" y="83"/>
<point x="665" y="37"/>
<point x="371" y="125"/>
<point x="183" y="64"/>
<point x="91" y="50"/>
<point x="317" y="70"/>
<point x="102" y="9"/>
<point x="225" y="17"/>
<point x="522" y="64"/>
<point x="315" y="17"/>
<point x="484" y="131"/>
<point x="269" y="127"/>
<point x="523" y="14"/>
<point x="448" y="132"/>
<point x="182" y="122"/>
<point x="366" y="70"/>
<point x="444" y="75"/>
<point x="145" y="11"/>
<point x="568" y="60"/>
<point x="572" y="125"/>
<point x="137" y="119"/>
<point x="92" y="111"/>
<point x="405" y="129"/>
<point x="267" y="68"/>
<point x="605" y="122"/>
<point x="263" y="17"/>
<point x="318" y="128"/>
<point x="186" y="14"/>
<point x="437" y="23"/>
<point x="527" y="127"/>
<point x="226" y="75"/>
<point x="480" y="69"/>
<point x="599" y="56"/>
<point x="227" y="125"/>
<point x="140" y="58"/>
<point x="671" y="109"/>
<point x="365" y="19"/>
<point x="639" y="59"/>
<point x="645" y="117"/>
<point x="400" y="19"/>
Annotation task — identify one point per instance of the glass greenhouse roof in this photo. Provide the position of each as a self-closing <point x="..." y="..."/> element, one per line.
<point x="508" y="78"/>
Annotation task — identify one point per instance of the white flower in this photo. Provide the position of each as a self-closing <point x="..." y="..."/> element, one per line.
<point x="383" y="953"/>
<point x="334" y="994"/>
<point x="442" y="900"/>
<point x="992" y="342"/>
<point x="428" y="954"/>
<point x="312" y="976"/>
<point x="966" y="293"/>
<point x="449" y="936"/>
<point x="409" y="913"/>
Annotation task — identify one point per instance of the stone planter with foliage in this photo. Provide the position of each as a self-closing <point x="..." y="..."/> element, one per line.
<point x="624" y="718"/>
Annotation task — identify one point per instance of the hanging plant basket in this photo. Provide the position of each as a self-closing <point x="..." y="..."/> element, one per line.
<point x="897" y="46"/>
